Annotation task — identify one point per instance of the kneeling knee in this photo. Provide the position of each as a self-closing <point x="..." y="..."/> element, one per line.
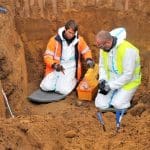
<point x="121" y="106"/>
<point x="64" y="91"/>
<point x="101" y="106"/>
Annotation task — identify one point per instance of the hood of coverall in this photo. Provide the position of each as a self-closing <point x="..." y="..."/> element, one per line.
<point x="61" y="30"/>
<point x="120" y="34"/>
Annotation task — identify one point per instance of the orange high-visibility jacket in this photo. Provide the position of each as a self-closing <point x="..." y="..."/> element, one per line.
<point x="54" y="50"/>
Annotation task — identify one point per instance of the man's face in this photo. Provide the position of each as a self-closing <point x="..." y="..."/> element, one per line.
<point x="69" y="33"/>
<point x="105" y="44"/>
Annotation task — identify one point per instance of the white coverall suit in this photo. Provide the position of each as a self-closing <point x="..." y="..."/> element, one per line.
<point x="57" y="80"/>
<point x="117" y="97"/>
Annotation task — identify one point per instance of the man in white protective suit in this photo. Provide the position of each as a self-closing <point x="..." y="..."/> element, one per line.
<point x="63" y="59"/>
<point x="119" y="70"/>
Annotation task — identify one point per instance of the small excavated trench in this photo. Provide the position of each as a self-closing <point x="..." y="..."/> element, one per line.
<point x="24" y="32"/>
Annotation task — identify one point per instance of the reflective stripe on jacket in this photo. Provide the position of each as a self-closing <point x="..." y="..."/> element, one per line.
<point x="120" y="53"/>
<point x="54" y="51"/>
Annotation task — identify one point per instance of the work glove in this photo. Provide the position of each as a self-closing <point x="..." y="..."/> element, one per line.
<point x="104" y="87"/>
<point x="58" y="67"/>
<point x="90" y="63"/>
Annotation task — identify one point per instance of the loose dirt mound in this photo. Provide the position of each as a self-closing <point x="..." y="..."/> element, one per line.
<point x="63" y="125"/>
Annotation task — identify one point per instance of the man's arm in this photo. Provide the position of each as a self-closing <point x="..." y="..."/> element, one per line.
<point x="84" y="49"/>
<point x="102" y="71"/>
<point x="50" y="52"/>
<point x="128" y="70"/>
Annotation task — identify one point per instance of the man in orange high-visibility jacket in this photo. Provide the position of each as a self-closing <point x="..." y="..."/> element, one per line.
<point x="63" y="59"/>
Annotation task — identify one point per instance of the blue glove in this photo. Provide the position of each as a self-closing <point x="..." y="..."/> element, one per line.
<point x="104" y="87"/>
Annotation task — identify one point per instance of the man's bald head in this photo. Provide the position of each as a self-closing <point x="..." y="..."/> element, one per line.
<point x="104" y="40"/>
<point x="103" y="36"/>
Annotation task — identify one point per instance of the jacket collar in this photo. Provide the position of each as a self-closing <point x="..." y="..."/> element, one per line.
<point x="59" y="37"/>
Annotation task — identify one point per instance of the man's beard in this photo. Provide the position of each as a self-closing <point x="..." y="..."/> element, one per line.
<point x="113" y="44"/>
<point x="107" y="49"/>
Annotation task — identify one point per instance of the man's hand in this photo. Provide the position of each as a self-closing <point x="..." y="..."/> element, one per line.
<point x="58" y="67"/>
<point x="104" y="87"/>
<point x="90" y="63"/>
